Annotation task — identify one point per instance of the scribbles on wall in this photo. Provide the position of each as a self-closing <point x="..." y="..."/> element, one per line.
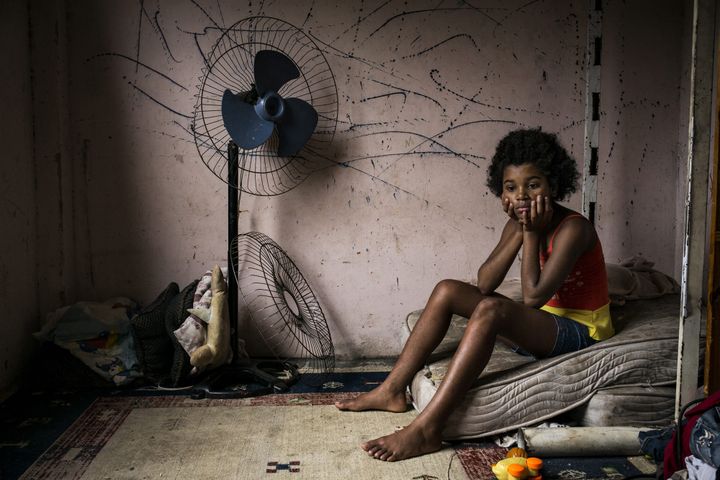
<point x="424" y="81"/>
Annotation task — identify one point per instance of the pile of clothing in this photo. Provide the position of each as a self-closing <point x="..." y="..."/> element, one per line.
<point x="126" y="344"/>
<point x="690" y="450"/>
<point x="98" y="334"/>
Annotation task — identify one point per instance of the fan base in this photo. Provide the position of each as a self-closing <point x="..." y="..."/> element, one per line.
<point x="240" y="381"/>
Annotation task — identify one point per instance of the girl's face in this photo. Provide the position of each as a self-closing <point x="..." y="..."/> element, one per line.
<point x="522" y="184"/>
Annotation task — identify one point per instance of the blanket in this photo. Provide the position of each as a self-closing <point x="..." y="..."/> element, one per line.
<point x="635" y="279"/>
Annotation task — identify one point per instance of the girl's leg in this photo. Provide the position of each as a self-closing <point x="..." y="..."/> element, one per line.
<point x="448" y="297"/>
<point x="533" y="330"/>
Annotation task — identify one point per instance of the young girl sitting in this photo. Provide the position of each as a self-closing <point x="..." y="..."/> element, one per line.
<point x="565" y="303"/>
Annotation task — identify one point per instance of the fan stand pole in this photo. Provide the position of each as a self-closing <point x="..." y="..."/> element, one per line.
<point x="232" y="381"/>
<point x="234" y="192"/>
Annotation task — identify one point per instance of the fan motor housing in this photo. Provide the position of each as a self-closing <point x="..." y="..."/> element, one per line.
<point x="270" y="107"/>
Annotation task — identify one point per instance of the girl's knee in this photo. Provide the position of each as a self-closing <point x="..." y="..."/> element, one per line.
<point x="446" y="288"/>
<point x="490" y="310"/>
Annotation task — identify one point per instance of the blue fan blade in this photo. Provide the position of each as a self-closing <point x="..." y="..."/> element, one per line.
<point x="296" y="126"/>
<point x="242" y="123"/>
<point x="272" y="71"/>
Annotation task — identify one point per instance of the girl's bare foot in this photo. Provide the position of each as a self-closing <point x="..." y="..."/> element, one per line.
<point x="376" y="399"/>
<point x="406" y="443"/>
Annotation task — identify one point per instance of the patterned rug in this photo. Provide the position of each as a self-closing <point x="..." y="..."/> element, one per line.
<point x="296" y="436"/>
<point x="66" y="434"/>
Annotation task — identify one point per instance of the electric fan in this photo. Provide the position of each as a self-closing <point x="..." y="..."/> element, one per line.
<point x="265" y="112"/>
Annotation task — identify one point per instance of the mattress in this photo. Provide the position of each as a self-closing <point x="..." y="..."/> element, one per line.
<point x="618" y="406"/>
<point x="625" y="380"/>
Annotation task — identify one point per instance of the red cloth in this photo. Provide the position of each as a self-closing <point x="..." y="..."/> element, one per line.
<point x="586" y="287"/>
<point x="671" y="464"/>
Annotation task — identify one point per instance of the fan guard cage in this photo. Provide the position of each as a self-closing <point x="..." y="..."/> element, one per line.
<point x="230" y="66"/>
<point x="283" y="308"/>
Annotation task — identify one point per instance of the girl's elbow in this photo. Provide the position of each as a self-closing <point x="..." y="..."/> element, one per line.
<point x="486" y="291"/>
<point x="485" y="288"/>
<point x="485" y="285"/>
<point x="532" y="302"/>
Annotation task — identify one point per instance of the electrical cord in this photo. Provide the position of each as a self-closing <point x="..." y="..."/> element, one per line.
<point x="678" y="433"/>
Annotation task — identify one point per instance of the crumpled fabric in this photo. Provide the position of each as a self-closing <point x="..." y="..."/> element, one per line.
<point x="636" y="279"/>
<point x="509" y="439"/>
<point x="671" y="463"/>
<point x="98" y="334"/>
<point x="699" y="470"/>
<point x="653" y="442"/>
<point x="705" y="437"/>
<point x="192" y="334"/>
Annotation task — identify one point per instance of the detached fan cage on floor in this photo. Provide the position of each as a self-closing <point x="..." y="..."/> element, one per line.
<point x="266" y="110"/>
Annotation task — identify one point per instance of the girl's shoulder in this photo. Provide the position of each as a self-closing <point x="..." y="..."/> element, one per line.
<point x="577" y="225"/>
<point x="573" y="217"/>
<point x="568" y="215"/>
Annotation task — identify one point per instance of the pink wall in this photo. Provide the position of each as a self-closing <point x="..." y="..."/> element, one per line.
<point x="18" y="205"/>
<point x="643" y="140"/>
<point x="425" y="92"/>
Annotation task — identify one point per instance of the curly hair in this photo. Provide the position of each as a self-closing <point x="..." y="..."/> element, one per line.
<point x="542" y="150"/>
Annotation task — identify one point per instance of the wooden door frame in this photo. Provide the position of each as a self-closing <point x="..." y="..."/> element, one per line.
<point x="712" y="339"/>
<point x="698" y="212"/>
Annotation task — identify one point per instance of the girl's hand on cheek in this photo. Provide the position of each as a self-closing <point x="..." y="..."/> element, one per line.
<point x="508" y="208"/>
<point x="540" y="214"/>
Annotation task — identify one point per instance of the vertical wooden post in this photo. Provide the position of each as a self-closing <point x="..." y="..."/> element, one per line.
<point x="712" y="339"/>
<point x="694" y="267"/>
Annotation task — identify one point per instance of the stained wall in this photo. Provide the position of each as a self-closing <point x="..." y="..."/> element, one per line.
<point x="424" y="92"/>
<point x="18" y="203"/>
